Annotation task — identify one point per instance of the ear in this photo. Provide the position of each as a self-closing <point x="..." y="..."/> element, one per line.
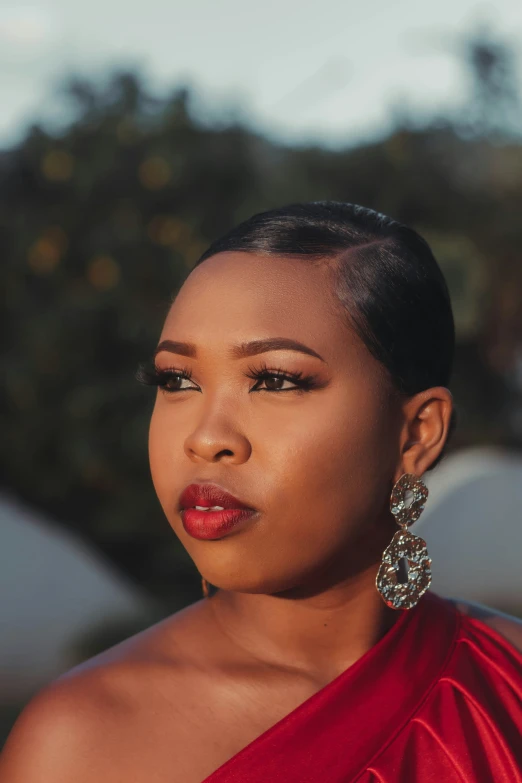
<point x="425" y="429"/>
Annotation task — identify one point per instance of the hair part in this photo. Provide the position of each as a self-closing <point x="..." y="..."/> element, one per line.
<point x="383" y="275"/>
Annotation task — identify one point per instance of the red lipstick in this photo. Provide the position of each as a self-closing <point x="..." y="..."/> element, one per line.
<point x="213" y="523"/>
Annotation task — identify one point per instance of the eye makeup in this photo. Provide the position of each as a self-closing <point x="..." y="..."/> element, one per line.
<point x="151" y="375"/>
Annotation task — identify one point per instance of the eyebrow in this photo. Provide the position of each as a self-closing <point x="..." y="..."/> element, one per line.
<point x="242" y="350"/>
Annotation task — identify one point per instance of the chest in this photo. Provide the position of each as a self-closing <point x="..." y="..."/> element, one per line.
<point x="194" y="729"/>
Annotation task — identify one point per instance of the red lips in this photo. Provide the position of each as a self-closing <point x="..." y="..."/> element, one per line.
<point x="208" y="495"/>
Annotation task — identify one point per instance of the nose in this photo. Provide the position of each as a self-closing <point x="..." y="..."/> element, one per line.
<point x="216" y="439"/>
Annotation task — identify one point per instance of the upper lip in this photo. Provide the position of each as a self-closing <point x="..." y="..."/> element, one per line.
<point x="208" y="495"/>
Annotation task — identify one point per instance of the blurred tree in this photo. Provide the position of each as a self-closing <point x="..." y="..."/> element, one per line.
<point x="495" y="109"/>
<point x="101" y="222"/>
<point x="494" y="116"/>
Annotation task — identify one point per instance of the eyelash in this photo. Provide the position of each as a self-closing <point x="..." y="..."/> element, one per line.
<point x="150" y="375"/>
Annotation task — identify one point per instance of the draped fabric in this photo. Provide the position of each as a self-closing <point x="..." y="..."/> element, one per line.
<point x="438" y="699"/>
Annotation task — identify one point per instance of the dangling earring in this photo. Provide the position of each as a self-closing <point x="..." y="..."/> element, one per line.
<point x="405" y="594"/>
<point x="204" y="586"/>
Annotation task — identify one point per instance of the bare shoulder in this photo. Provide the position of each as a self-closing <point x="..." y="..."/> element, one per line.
<point x="113" y="706"/>
<point x="509" y="626"/>
<point x="52" y="738"/>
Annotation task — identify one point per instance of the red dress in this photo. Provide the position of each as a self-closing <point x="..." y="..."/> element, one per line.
<point x="438" y="699"/>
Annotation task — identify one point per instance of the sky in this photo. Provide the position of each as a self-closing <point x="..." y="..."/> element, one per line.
<point x="331" y="72"/>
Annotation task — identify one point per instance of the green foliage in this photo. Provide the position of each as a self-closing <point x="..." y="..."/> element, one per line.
<point x="99" y="226"/>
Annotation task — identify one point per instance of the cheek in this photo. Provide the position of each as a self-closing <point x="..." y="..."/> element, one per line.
<point x="326" y="478"/>
<point x="337" y="470"/>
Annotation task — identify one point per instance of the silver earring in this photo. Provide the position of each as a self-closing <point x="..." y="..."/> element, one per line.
<point x="405" y="548"/>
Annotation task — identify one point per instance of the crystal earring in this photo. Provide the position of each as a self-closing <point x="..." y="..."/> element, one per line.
<point x="405" y="549"/>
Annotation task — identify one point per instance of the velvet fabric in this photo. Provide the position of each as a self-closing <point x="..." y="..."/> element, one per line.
<point x="437" y="700"/>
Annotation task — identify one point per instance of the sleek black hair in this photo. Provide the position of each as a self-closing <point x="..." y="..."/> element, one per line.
<point x="383" y="274"/>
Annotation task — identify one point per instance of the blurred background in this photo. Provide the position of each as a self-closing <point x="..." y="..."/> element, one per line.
<point x="133" y="135"/>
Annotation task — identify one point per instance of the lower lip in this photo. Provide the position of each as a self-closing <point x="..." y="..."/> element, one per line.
<point x="214" y="524"/>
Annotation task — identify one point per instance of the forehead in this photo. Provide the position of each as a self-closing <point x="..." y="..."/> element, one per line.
<point x="236" y="296"/>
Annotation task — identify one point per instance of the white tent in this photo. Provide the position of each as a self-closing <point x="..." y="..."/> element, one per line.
<point x="472" y="524"/>
<point x="53" y="587"/>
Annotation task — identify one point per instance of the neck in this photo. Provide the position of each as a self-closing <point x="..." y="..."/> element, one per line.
<point x="320" y="634"/>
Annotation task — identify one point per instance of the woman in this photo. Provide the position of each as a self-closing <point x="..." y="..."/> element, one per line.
<point x="303" y="370"/>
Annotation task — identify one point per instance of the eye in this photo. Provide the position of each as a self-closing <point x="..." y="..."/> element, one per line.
<point x="168" y="379"/>
<point x="274" y="382"/>
<point x="276" y="377"/>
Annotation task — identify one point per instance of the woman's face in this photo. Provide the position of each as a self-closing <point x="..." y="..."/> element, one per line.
<point x="318" y="464"/>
